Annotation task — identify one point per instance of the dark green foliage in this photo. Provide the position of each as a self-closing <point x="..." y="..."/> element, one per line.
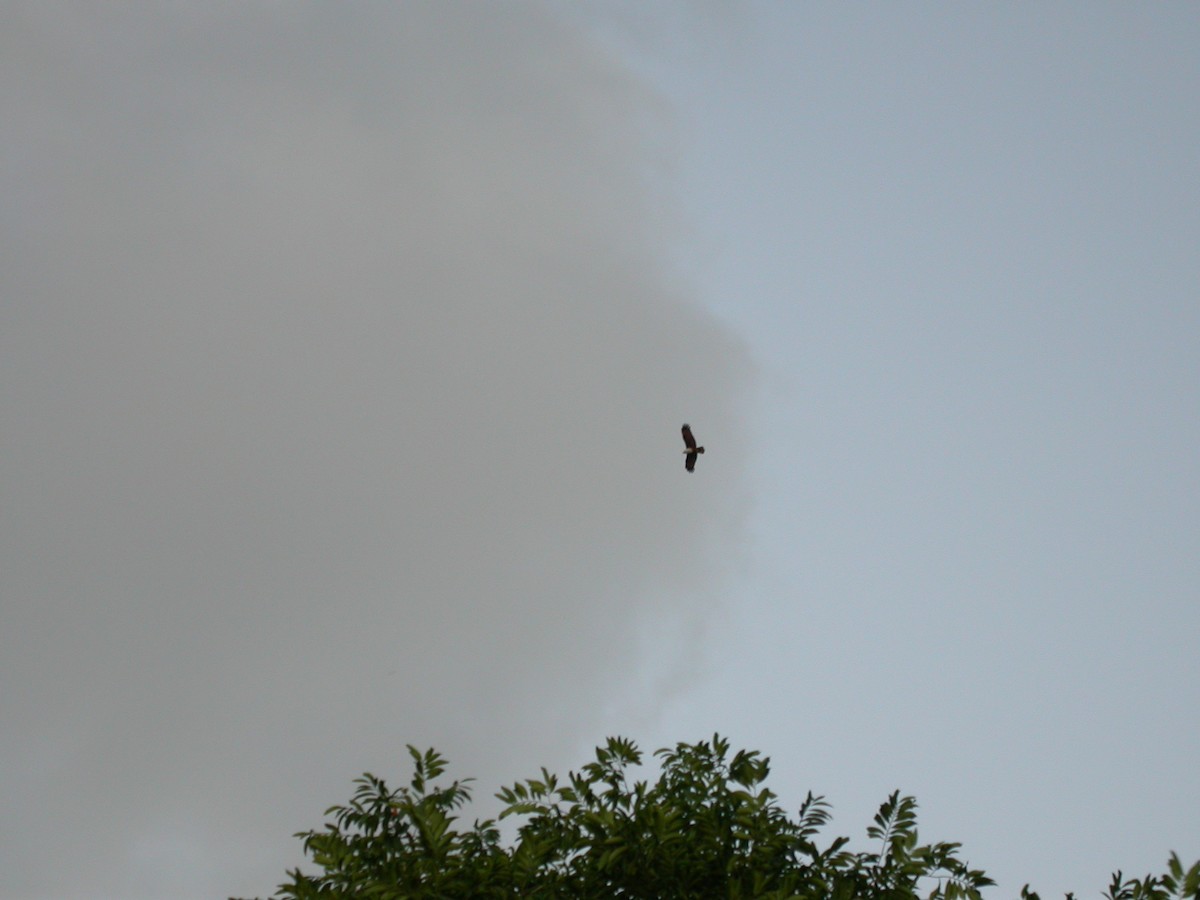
<point x="1176" y="884"/>
<point x="706" y="828"/>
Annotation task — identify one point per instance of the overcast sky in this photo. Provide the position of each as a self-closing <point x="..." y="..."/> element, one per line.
<point x="343" y="353"/>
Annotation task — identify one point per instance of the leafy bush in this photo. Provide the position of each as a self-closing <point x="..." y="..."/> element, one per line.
<point x="706" y="828"/>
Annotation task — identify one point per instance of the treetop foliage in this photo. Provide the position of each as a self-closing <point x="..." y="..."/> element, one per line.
<point x="707" y="827"/>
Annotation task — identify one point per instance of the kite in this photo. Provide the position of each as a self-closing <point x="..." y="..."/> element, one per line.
<point x="692" y="450"/>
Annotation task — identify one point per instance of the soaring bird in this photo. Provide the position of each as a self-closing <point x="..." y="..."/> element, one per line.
<point x="692" y="450"/>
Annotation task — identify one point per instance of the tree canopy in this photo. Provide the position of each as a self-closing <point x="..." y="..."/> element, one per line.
<point x="706" y="827"/>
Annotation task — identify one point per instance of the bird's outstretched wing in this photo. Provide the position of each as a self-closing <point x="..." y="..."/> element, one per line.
<point x="689" y="442"/>
<point x="689" y="462"/>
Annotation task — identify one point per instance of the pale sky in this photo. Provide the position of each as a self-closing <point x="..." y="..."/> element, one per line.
<point x="343" y="353"/>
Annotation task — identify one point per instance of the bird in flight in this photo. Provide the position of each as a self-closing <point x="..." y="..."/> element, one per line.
<point x="692" y="450"/>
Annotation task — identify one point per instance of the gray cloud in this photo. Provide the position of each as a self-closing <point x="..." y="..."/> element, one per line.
<point x="343" y="363"/>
